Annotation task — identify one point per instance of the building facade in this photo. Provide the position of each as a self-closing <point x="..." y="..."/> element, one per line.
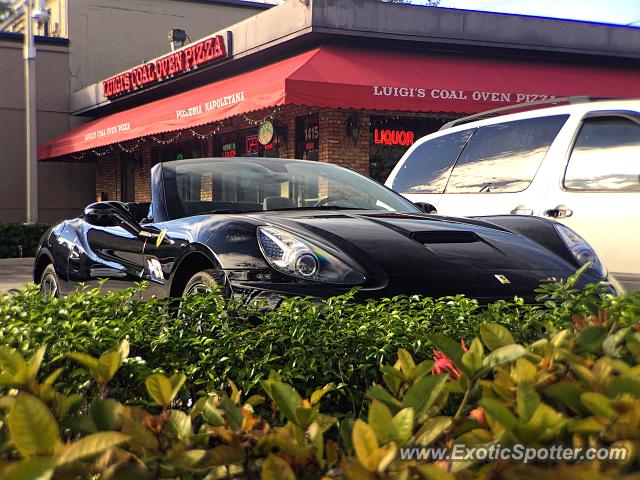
<point x="353" y="82"/>
<point x="83" y="42"/>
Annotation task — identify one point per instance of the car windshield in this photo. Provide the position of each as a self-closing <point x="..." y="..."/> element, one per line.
<point x="194" y="187"/>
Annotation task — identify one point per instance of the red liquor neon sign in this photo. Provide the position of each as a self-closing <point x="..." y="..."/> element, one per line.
<point x="192" y="56"/>
<point x="404" y="138"/>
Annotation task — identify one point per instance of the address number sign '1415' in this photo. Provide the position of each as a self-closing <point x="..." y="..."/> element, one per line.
<point x="192" y="56"/>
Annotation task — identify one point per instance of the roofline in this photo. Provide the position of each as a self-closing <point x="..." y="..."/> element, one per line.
<point x="312" y="23"/>
<point x="40" y="40"/>
<point x="235" y="3"/>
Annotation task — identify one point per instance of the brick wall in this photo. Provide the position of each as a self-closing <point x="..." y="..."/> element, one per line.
<point x="108" y="178"/>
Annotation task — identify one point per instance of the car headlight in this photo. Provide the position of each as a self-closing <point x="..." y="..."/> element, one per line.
<point x="580" y="249"/>
<point x="301" y="258"/>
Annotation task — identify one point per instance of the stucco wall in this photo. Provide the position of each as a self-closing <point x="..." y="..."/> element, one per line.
<point x="108" y="36"/>
<point x="63" y="188"/>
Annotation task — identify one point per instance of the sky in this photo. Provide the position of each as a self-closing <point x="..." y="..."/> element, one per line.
<point x="620" y="12"/>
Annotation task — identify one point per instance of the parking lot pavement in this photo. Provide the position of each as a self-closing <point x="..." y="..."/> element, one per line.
<point x="15" y="273"/>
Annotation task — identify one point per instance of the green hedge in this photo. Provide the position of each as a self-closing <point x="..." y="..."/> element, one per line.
<point x="16" y="235"/>
<point x="310" y="344"/>
<point x="570" y="389"/>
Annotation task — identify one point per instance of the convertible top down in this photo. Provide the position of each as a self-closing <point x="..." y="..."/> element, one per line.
<point x="272" y="227"/>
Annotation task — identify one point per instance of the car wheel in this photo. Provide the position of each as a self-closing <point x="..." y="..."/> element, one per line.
<point x="205" y="281"/>
<point x="49" y="284"/>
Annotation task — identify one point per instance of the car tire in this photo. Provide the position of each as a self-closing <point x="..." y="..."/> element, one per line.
<point x="49" y="282"/>
<point x="205" y="281"/>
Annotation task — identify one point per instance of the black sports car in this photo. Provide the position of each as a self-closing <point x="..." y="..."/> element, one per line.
<point x="271" y="227"/>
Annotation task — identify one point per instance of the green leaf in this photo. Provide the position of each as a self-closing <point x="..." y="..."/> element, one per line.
<point x="611" y="345"/>
<point x="619" y="385"/>
<point x="407" y="365"/>
<point x="177" y="380"/>
<point x="30" y="469"/>
<point x="105" y="413"/>
<point x="178" y="426"/>
<point x="590" y="340"/>
<point x="524" y="371"/>
<point x="495" y="336"/>
<point x="545" y="424"/>
<point x="380" y="420"/>
<point x="232" y="412"/>
<point x="527" y="401"/>
<point x="89" y="362"/>
<point x="500" y="414"/>
<point x="34" y="364"/>
<point x="212" y="415"/>
<point x="502" y="355"/>
<point x="424" y="393"/>
<point x="275" y="468"/>
<point x="597" y="404"/>
<point x="432" y="429"/>
<point x="318" y="394"/>
<point x="305" y="416"/>
<point x="473" y="358"/>
<point x="402" y="426"/>
<point x="108" y="365"/>
<point x="32" y="426"/>
<point x="285" y="397"/>
<point x="222" y="455"/>
<point x="160" y="389"/>
<point x="567" y="394"/>
<point x="91" y="445"/>
<point x="378" y="393"/>
<point x="364" y="440"/>
<point x="11" y="361"/>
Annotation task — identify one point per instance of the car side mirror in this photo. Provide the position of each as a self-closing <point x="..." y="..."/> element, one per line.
<point x="426" y="207"/>
<point x="112" y="214"/>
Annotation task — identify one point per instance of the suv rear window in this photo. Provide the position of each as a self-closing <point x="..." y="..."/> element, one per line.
<point x="504" y="157"/>
<point x="428" y="167"/>
<point x="606" y="156"/>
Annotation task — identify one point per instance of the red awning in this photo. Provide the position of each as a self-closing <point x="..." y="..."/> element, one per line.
<point x="340" y="77"/>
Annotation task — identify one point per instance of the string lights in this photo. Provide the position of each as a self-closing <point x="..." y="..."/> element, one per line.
<point x="260" y="122"/>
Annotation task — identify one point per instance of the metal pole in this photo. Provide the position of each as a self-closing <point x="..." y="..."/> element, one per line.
<point x="31" y="119"/>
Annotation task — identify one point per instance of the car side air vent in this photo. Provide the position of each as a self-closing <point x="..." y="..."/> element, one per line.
<point x="445" y="236"/>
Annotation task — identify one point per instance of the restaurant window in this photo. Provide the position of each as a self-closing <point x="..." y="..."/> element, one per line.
<point x="504" y="158"/>
<point x="308" y="137"/>
<point x="243" y="143"/>
<point x="391" y="137"/>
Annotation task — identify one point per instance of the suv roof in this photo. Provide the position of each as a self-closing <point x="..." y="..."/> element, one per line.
<point x="557" y="105"/>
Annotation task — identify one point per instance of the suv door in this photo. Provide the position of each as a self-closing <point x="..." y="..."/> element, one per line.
<point x="495" y="171"/>
<point x="422" y="174"/>
<point x="599" y="191"/>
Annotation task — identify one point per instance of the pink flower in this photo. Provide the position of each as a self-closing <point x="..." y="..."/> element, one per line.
<point x="477" y="414"/>
<point x="444" y="364"/>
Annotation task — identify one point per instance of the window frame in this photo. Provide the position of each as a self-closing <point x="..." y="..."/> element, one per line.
<point x="531" y="182"/>
<point x="628" y="114"/>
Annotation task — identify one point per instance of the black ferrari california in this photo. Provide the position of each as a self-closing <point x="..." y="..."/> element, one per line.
<point x="267" y="228"/>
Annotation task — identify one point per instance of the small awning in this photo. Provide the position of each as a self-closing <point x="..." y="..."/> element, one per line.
<point x="350" y="78"/>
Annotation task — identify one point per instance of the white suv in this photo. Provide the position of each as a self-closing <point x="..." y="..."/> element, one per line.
<point x="578" y="164"/>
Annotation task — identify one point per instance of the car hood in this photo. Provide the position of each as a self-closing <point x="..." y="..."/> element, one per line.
<point x="399" y="244"/>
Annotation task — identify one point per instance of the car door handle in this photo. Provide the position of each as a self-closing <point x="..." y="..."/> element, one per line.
<point x="561" y="211"/>
<point x="521" y="210"/>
